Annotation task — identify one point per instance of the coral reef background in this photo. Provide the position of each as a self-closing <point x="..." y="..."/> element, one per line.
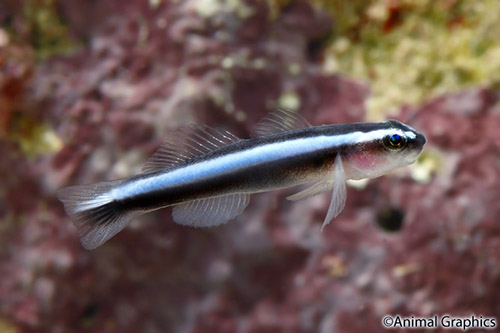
<point x="89" y="89"/>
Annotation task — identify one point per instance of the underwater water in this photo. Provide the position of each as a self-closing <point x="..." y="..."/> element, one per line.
<point x="89" y="90"/>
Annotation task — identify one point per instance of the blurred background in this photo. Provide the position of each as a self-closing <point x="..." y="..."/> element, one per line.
<point x="89" y="89"/>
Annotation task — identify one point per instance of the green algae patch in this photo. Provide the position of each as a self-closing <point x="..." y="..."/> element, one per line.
<point x="34" y="138"/>
<point x="8" y="327"/>
<point x="47" y="32"/>
<point x="410" y="51"/>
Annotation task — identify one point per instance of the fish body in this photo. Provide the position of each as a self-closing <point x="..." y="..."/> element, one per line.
<point x="208" y="174"/>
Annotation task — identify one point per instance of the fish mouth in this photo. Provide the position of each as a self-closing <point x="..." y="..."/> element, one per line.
<point x="416" y="147"/>
<point x="421" y="140"/>
<point x="417" y="144"/>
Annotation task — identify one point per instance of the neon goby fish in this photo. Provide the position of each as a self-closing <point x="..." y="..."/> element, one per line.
<point x="208" y="174"/>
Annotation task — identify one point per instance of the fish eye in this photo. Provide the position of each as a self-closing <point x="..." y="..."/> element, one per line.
<point x="395" y="141"/>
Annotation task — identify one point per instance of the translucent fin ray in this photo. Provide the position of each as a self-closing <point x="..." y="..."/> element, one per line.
<point x="315" y="189"/>
<point x="279" y="121"/>
<point x="337" y="202"/>
<point x="187" y="143"/>
<point x="94" y="212"/>
<point x="212" y="211"/>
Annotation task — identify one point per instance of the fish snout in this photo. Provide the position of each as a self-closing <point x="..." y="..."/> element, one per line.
<point x="418" y="142"/>
<point x="421" y="139"/>
<point x="416" y="146"/>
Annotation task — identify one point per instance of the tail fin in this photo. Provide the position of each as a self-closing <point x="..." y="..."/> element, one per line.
<point x="94" y="212"/>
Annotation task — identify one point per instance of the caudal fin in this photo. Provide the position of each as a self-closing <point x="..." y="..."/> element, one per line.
<point x="95" y="214"/>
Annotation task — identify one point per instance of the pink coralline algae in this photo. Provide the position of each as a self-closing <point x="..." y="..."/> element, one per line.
<point x="400" y="246"/>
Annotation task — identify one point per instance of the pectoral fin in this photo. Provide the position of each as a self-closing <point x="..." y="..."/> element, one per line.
<point x="338" y="194"/>
<point x="315" y="189"/>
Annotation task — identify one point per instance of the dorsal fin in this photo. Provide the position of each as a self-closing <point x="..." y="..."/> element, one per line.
<point x="279" y="121"/>
<point x="186" y="143"/>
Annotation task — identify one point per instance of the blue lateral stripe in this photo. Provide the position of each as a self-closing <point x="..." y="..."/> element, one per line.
<point x="243" y="159"/>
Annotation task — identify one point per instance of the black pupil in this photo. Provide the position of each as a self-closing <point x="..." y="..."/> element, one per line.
<point x="396" y="140"/>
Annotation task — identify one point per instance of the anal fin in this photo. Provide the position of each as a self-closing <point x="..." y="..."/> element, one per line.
<point x="211" y="211"/>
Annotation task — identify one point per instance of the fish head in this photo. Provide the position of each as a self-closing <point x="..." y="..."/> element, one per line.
<point x="402" y="141"/>
<point x="389" y="146"/>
